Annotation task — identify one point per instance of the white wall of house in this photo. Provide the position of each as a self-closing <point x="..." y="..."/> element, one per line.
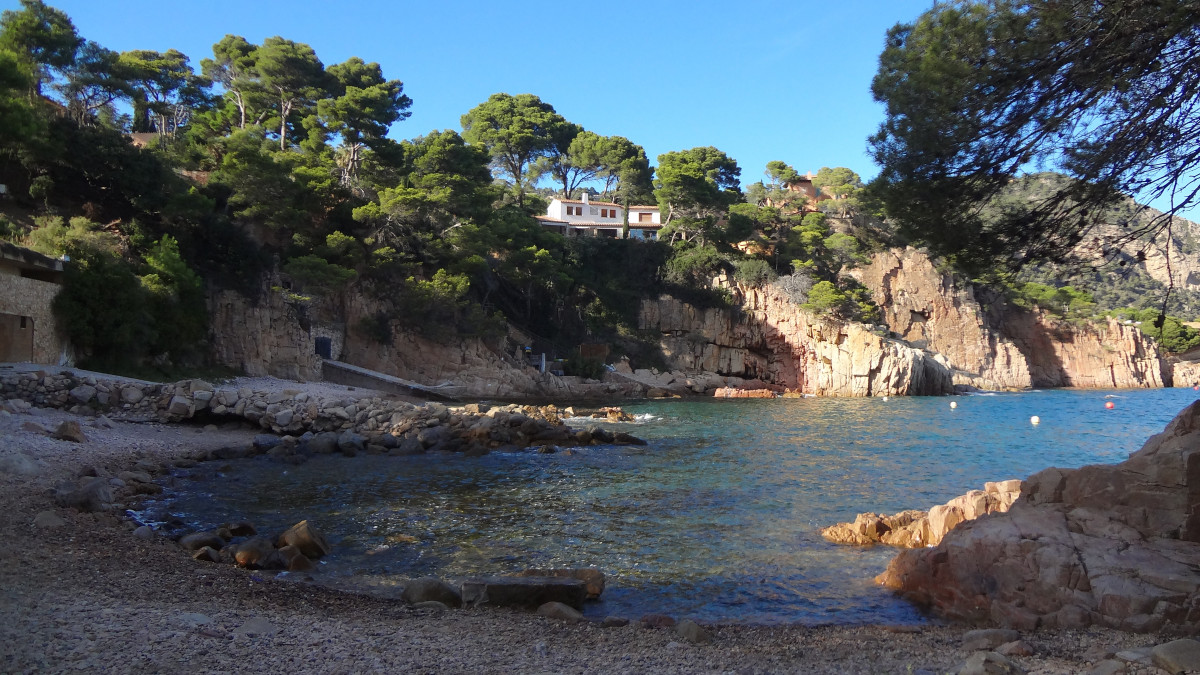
<point x="587" y="218"/>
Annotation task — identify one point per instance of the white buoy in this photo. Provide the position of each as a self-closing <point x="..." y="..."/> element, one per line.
<point x="885" y="398"/>
<point x="953" y="405"/>
<point x="1035" y="420"/>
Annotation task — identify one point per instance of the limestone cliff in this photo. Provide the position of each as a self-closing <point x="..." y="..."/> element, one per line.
<point x="991" y="344"/>
<point x="770" y="338"/>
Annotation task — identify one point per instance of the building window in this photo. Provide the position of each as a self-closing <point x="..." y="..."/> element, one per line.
<point x="645" y="217"/>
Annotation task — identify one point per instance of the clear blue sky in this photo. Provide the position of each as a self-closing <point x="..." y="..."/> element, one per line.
<point x="759" y="80"/>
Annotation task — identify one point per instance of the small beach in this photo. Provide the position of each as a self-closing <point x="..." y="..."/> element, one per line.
<point x="78" y="592"/>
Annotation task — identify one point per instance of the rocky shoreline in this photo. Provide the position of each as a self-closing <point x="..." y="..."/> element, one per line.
<point x="79" y="592"/>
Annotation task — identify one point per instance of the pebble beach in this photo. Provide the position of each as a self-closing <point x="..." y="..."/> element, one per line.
<point x="80" y="593"/>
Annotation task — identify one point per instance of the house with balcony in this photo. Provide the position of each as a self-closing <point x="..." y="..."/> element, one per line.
<point x="586" y="218"/>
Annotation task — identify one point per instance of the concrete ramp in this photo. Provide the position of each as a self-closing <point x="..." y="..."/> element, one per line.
<point x="356" y="376"/>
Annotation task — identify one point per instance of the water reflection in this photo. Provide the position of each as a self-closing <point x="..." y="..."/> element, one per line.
<point x="715" y="519"/>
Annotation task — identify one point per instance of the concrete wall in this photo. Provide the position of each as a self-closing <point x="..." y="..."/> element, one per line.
<point x="22" y="297"/>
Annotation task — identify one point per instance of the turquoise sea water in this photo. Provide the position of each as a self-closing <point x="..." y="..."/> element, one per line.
<point x="716" y="519"/>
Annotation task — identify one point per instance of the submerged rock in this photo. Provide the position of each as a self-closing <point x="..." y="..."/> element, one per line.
<point x="431" y="589"/>
<point x="524" y="592"/>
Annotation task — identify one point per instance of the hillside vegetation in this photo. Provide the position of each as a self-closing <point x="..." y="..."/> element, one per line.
<point x="163" y="183"/>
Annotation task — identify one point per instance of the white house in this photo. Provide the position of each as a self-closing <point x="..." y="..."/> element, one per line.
<point x="585" y="218"/>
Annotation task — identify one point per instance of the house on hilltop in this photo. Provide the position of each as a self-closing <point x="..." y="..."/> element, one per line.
<point x="585" y="218"/>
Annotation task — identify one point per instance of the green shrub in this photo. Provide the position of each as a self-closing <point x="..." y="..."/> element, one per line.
<point x="754" y="272"/>
<point x="316" y="275"/>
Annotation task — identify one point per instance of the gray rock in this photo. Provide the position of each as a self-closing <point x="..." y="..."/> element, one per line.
<point x="135" y="477"/>
<point x="427" y="589"/>
<point x="242" y="528"/>
<point x="592" y="577"/>
<point x="207" y="554"/>
<point x="144" y="532"/>
<point x="102" y="422"/>
<point x="48" y="520"/>
<point x="1108" y="667"/>
<point x="20" y="465"/>
<point x="132" y="395"/>
<point x="557" y="610"/>
<point x="1177" y="656"/>
<point x="198" y="540"/>
<point x="1015" y="648"/>
<point x="90" y="495"/>
<point x="1140" y="656"/>
<point x="180" y="406"/>
<point x="526" y="592"/>
<point x="433" y="435"/>
<point x="657" y="621"/>
<point x="351" y="443"/>
<point x="323" y="444"/>
<point x="264" y="442"/>
<point x="283" y="417"/>
<point x="614" y="622"/>
<point x="988" y="638"/>
<point x="409" y="446"/>
<point x="83" y="393"/>
<point x="692" y="632"/>
<point x="989" y="663"/>
<point x="69" y="430"/>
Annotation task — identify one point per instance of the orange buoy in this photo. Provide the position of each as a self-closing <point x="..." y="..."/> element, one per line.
<point x="1110" y="405"/>
<point x="1196" y="388"/>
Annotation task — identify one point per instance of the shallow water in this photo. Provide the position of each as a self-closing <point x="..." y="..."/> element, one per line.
<point x="715" y="519"/>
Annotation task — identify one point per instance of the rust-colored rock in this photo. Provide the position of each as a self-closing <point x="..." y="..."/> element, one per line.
<point x="991" y="344"/>
<point x="306" y="538"/>
<point x="1112" y="545"/>
<point x="911" y="529"/>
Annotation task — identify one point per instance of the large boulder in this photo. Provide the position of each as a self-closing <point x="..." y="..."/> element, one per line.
<point x="307" y="538"/>
<point x="91" y="494"/>
<point x="431" y="589"/>
<point x="1111" y="545"/>
<point x="912" y="529"/>
<point x="592" y="578"/>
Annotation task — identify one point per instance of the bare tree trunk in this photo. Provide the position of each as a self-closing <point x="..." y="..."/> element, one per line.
<point x="285" y="109"/>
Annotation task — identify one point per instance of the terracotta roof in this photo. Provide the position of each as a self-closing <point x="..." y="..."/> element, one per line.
<point x="652" y="206"/>
<point x="548" y="219"/>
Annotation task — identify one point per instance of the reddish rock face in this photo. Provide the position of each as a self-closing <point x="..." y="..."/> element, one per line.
<point x="1112" y="545"/>
<point x="993" y="345"/>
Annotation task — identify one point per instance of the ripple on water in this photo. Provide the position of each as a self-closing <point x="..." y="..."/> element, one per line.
<point x="715" y="519"/>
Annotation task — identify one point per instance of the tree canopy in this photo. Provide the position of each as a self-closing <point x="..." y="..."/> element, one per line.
<point x="978" y="93"/>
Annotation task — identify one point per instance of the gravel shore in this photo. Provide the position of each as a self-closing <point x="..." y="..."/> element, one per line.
<point x="78" y="592"/>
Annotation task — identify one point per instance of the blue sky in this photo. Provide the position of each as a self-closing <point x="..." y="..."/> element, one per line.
<point x="759" y="80"/>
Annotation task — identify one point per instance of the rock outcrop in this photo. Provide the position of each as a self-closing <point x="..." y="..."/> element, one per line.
<point x="911" y="529"/>
<point x="317" y="425"/>
<point x="991" y="344"/>
<point x="770" y="338"/>
<point x="1113" y="545"/>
